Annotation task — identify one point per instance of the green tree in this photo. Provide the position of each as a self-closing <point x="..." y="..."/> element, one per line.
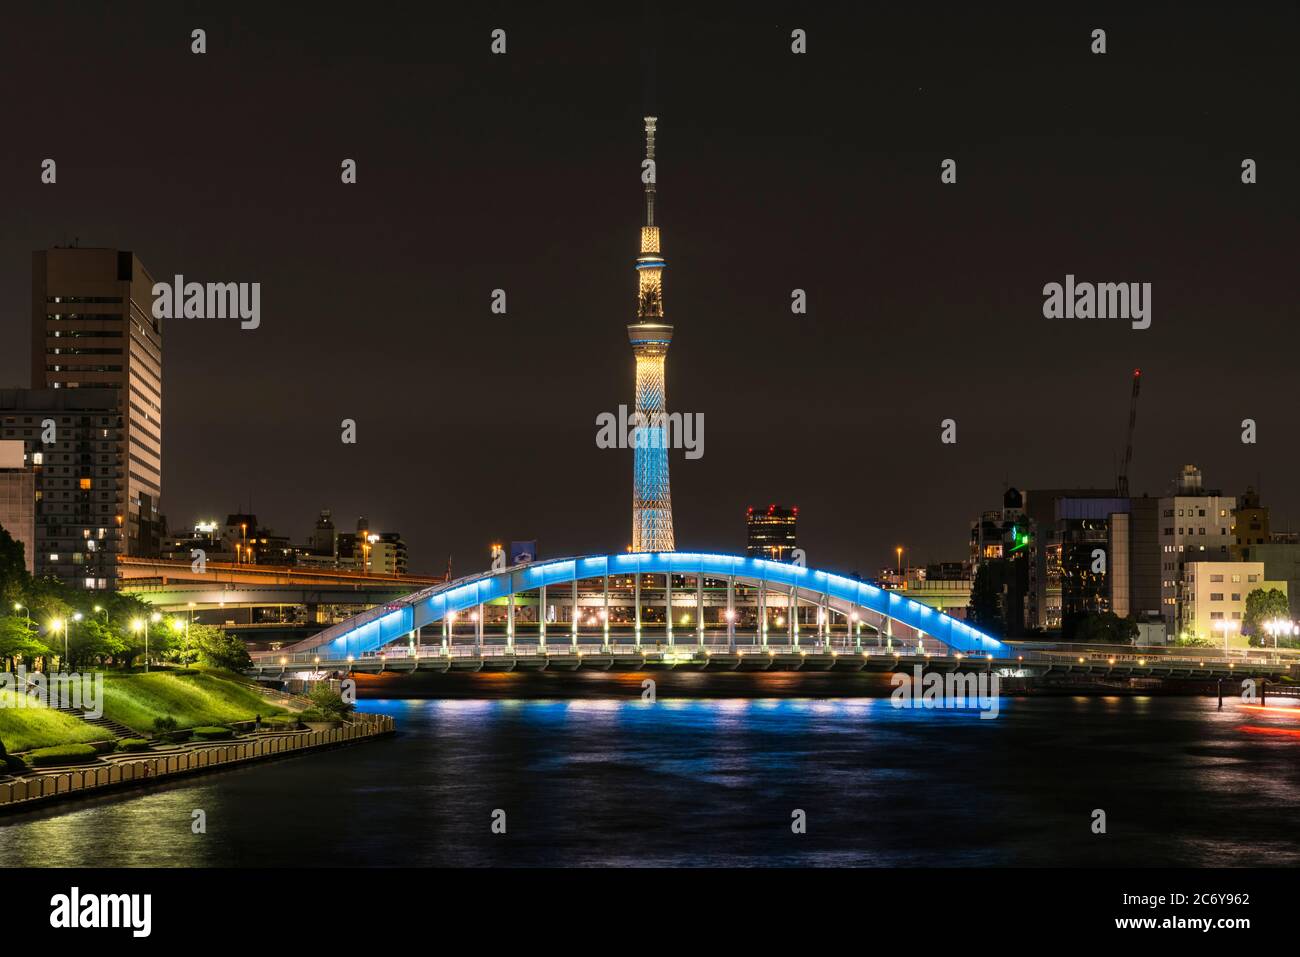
<point x="214" y="647"/>
<point x="328" y="701"/>
<point x="1262" y="606"/>
<point x="18" y="641"/>
<point x="985" y="601"/>
<point x="1103" y="628"/>
<point x="90" y="641"/>
<point x="13" y="562"/>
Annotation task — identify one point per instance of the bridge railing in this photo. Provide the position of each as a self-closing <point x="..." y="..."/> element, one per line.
<point x="1127" y="654"/>
<point x="752" y="645"/>
<point x="560" y="649"/>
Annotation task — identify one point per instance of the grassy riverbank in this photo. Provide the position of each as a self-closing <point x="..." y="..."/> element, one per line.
<point x="22" y="729"/>
<point x="193" y="698"/>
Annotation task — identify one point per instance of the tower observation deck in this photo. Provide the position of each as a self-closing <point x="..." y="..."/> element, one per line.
<point x="650" y="335"/>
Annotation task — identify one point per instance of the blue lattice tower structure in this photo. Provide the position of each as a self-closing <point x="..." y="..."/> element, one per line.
<point x="650" y="335"/>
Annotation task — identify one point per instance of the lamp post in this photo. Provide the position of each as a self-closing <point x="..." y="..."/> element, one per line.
<point x="155" y="618"/>
<point x="138" y="625"/>
<point x="27" y="611"/>
<point x="1227" y="627"/>
<point x="177" y="627"/>
<point x="55" y="625"/>
<point x="142" y="624"/>
<point x="1279" y="626"/>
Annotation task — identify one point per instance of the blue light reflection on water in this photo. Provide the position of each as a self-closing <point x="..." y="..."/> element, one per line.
<point x="686" y="782"/>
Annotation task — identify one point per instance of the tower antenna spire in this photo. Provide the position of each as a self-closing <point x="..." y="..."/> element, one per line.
<point x="650" y="122"/>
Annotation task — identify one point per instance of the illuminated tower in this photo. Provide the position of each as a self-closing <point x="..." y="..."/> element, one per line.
<point x="652" y="502"/>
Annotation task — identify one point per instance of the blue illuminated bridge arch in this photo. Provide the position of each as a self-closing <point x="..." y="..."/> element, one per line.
<point x="747" y="580"/>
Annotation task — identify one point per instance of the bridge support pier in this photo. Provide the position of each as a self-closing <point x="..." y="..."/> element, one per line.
<point x="478" y="632"/>
<point x="574" y="636"/>
<point x="699" y="610"/>
<point x="792" y="613"/>
<point x="541" y="617"/>
<point x="605" y="611"/>
<point x="636" y="600"/>
<point x="762" y="611"/>
<point x="510" y="619"/>
<point x="731" y="613"/>
<point x="668" y="606"/>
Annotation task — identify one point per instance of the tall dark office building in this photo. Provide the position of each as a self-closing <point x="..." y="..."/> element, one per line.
<point x="93" y="328"/>
<point x="79" y="487"/>
<point x="771" y="532"/>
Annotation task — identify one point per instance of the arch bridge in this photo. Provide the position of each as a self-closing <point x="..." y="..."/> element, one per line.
<point x="664" y="603"/>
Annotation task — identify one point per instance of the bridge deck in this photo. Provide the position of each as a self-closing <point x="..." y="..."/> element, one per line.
<point x="812" y="656"/>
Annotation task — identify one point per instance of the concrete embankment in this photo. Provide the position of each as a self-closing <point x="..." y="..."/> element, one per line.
<point x="39" y="788"/>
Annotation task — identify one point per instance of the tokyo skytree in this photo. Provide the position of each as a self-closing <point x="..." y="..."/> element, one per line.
<point x="652" y="502"/>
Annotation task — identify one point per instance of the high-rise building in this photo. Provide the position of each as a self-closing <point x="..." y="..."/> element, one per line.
<point x="772" y="532"/>
<point x="991" y="532"/>
<point x="18" y="498"/>
<point x="1064" y="527"/>
<point x="80" y="482"/>
<point x="380" y="553"/>
<point x="650" y="335"/>
<point x="1281" y="558"/>
<point x="323" y="535"/>
<point x="1089" y="551"/>
<point x="1249" y="523"/>
<point x="93" y="327"/>
<point x="1212" y="605"/>
<point x="1195" y="526"/>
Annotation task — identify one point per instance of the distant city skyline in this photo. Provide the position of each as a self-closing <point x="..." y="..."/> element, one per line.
<point x="820" y="172"/>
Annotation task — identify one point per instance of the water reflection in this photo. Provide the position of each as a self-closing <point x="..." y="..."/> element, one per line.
<point x="713" y="782"/>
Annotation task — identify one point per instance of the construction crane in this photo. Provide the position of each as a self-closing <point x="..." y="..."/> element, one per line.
<point x="1122" y="484"/>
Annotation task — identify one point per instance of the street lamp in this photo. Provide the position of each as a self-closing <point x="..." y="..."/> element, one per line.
<point x="1279" y="626"/>
<point x="55" y="625"/>
<point x="1227" y="627"/>
<point x="27" y="611"/>
<point x="138" y="625"/>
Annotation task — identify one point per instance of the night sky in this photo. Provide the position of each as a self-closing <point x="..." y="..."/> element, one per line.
<point x="776" y="172"/>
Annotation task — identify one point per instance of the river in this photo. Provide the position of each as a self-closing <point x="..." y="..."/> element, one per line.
<point x="690" y="782"/>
